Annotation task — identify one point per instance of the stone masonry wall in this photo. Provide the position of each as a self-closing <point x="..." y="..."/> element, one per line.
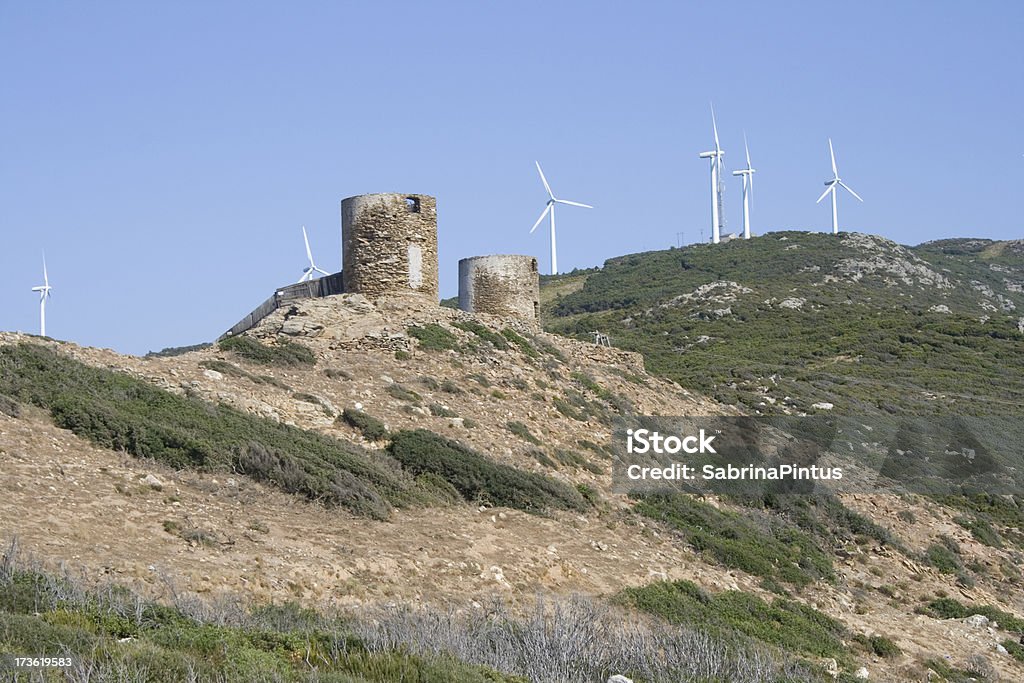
<point x="389" y="244"/>
<point x="503" y="284"/>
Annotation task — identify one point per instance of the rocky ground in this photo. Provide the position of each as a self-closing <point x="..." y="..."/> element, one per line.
<point x="115" y="516"/>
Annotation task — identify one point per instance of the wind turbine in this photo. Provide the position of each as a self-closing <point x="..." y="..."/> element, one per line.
<point x="307" y="274"/>
<point x="830" y="186"/>
<point x="549" y="210"/>
<point x="44" y="294"/>
<point x="748" y="188"/>
<point x="716" y="156"/>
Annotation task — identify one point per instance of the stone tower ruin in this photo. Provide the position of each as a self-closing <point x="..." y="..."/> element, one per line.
<point x="502" y="284"/>
<point x="389" y="245"/>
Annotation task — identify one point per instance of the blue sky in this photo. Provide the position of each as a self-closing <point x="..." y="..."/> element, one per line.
<point x="165" y="155"/>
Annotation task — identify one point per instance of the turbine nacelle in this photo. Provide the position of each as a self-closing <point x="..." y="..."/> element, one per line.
<point x="311" y="269"/>
<point x="549" y="212"/>
<point x="831" y="186"/>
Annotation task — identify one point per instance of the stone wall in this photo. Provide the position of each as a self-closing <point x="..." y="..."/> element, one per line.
<point x="311" y="289"/>
<point x="389" y="244"/>
<point x="501" y="284"/>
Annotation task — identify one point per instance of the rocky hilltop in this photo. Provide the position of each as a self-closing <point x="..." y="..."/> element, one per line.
<point x="795" y="322"/>
<point x="387" y="457"/>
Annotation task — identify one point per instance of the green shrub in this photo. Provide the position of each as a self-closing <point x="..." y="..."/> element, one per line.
<point x="315" y="400"/>
<point x="942" y="558"/>
<point x="171" y="351"/>
<point x="1015" y="649"/>
<point x="9" y="407"/>
<point x="589" y="494"/>
<point x="790" y="625"/>
<point x="273" y="381"/>
<point x="403" y="394"/>
<point x="981" y="530"/>
<point x="565" y="408"/>
<point x="591" y="384"/>
<point x="433" y="337"/>
<point x="523" y="432"/>
<point x="550" y="349"/>
<point x="483" y="332"/>
<point x="118" y="633"/>
<point x="772" y="550"/>
<point x="233" y="370"/>
<point x="525" y="346"/>
<point x="401" y="354"/>
<point x="948" y="608"/>
<point x="438" y="410"/>
<point x="283" y="353"/>
<point x="369" y="426"/>
<point x="450" y="387"/>
<point x="884" y="647"/>
<point x="478" y="479"/>
<point x="576" y="461"/>
<point x="542" y="457"/>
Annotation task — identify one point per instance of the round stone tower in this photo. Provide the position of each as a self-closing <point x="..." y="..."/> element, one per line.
<point x="501" y="284"/>
<point x="389" y="244"/>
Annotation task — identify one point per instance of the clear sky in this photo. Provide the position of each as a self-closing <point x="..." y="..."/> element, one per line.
<point x="166" y="154"/>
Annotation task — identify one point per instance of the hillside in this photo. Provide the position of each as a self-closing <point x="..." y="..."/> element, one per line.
<point x="437" y="487"/>
<point x="783" y="322"/>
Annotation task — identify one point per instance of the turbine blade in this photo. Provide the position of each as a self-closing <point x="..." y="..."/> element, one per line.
<point x="714" y="124"/>
<point x="832" y="152"/>
<point x="566" y="201"/>
<point x="542" y="215"/>
<point x="745" y="147"/>
<point x="320" y="270"/>
<point x="830" y="188"/>
<point x="305" y="238"/>
<point x="544" y="180"/>
<point x="849" y="190"/>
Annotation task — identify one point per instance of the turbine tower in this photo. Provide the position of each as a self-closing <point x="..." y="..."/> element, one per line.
<point x="716" y="156"/>
<point x="748" y="188"/>
<point x="831" y="185"/>
<point x="307" y="274"/>
<point x="44" y="294"/>
<point x="549" y="210"/>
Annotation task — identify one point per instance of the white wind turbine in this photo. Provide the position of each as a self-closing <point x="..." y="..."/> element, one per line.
<point x="549" y="210"/>
<point x="44" y="294"/>
<point x="716" y="155"/>
<point x="307" y="274"/>
<point x="830" y="186"/>
<point x="748" y="189"/>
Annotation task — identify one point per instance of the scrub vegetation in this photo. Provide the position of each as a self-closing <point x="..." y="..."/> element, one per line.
<point x="114" y="634"/>
<point x="711" y="317"/>
<point x="119" y="412"/>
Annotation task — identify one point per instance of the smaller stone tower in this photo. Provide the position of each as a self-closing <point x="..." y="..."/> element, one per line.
<point x="501" y="284"/>
<point x="389" y="245"/>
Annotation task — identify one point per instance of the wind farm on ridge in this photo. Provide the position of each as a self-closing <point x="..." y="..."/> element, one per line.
<point x="716" y="157"/>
